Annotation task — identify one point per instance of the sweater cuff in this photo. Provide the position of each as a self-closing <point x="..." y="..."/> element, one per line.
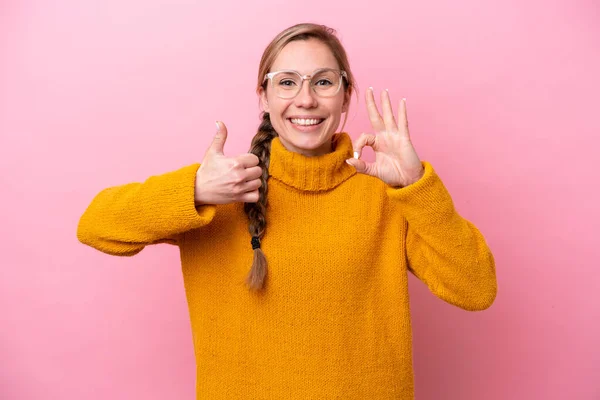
<point x="425" y="201"/>
<point x="181" y="195"/>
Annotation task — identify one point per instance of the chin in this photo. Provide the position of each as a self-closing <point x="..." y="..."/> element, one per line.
<point x="311" y="145"/>
<point x="310" y="140"/>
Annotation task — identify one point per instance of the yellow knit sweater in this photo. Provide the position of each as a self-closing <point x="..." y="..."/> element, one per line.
<point x="333" y="320"/>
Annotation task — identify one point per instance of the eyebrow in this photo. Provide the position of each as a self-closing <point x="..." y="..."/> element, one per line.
<point x="295" y="70"/>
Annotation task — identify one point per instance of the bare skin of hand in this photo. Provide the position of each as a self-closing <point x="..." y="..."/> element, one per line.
<point x="396" y="161"/>
<point x="222" y="180"/>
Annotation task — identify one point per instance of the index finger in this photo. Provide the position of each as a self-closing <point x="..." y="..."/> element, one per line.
<point x="374" y="115"/>
<point x="248" y="160"/>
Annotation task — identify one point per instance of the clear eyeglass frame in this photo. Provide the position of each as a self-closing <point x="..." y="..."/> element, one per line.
<point x="308" y="77"/>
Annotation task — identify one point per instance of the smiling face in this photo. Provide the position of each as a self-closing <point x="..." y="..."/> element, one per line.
<point x="306" y="123"/>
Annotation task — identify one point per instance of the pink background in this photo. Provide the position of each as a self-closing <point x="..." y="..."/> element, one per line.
<point x="502" y="99"/>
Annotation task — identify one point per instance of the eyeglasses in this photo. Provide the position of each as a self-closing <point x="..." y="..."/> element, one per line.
<point x="325" y="82"/>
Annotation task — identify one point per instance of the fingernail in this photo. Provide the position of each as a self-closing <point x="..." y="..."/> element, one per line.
<point x="371" y="87"/>
<point x="404" y="98"/>
<point x="217" y="124"/>
<point x="356" y="155"/>
<point x="386" y="90"/>
<point x="348" y="162"/>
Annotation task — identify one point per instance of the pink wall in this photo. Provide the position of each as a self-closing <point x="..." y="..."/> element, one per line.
<point x="502" y="99"/>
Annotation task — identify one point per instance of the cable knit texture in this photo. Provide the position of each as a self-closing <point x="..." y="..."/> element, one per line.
<point x="333" y="320"/>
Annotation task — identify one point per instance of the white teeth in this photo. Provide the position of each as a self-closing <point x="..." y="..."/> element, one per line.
<point x="305" y="122"/>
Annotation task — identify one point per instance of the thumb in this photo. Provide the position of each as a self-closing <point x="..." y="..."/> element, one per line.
<point x="360" y="165"/>
<point x="218" y="142"/>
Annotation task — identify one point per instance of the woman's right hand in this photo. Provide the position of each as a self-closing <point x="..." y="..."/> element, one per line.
<point x="223" y="180"/>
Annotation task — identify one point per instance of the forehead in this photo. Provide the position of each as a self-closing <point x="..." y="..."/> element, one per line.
<point x="305" y="56"/>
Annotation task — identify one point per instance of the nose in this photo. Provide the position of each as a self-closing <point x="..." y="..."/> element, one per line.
<point x="306" y="98"/>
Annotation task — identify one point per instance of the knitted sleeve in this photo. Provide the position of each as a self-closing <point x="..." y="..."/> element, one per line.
<point x="445" y="251"/>
<point x="122" y="220"/>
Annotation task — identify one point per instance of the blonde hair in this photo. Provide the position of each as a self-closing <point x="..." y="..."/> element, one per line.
<point x="261" y="143"/>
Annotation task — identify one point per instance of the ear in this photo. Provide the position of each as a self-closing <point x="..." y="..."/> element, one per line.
<point x="346" y="104"/>
<point x="262" y="94"/>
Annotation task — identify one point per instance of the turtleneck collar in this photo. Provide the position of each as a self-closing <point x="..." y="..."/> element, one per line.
<point x="316" y="173"/>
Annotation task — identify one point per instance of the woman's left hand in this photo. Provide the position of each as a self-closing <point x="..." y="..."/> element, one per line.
<point x="396" y="161"/>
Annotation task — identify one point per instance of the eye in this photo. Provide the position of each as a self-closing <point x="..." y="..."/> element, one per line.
<point x="323" y="82"/>
<point x="286" y="82"/>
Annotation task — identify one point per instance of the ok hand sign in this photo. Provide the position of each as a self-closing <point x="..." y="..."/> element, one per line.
<point x="396" y="161"/>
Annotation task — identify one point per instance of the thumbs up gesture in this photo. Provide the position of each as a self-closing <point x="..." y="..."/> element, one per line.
<point x="222" y="180"/>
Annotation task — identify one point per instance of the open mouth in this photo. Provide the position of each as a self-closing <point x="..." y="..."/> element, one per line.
<point x="306" y="122"/>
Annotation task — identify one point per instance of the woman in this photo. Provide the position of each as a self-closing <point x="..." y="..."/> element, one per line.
<point x="324" y="310"/>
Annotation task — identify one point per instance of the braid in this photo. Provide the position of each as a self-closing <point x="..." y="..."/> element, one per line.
<point x="256" y="212"/>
